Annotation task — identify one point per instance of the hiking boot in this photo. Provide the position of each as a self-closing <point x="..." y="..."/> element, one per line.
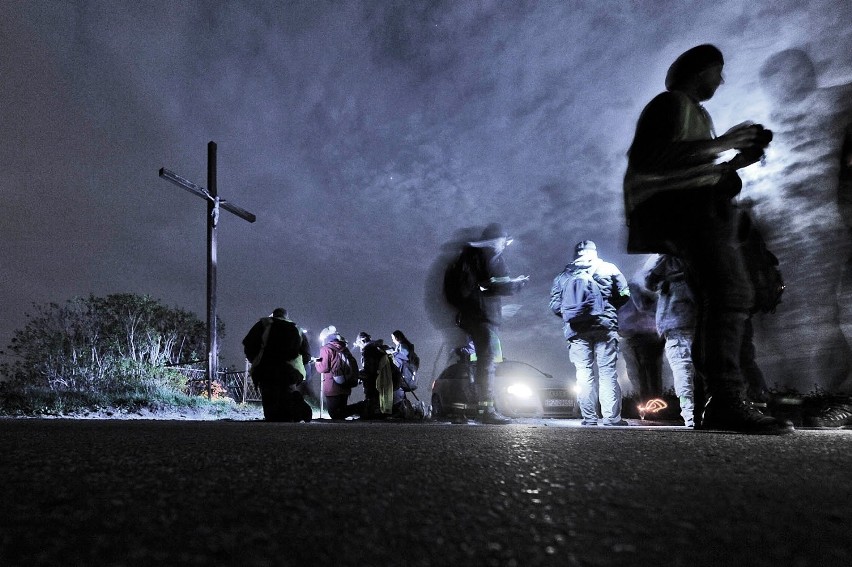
<point x="831" y="417"/>
<point x="493" y="417"/>
<point x="741" y="417"/>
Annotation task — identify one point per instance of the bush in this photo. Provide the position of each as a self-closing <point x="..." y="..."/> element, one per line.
<point x="95" y="352"/>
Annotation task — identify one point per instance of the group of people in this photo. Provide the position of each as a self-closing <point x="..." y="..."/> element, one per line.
<point x="280" y="353"/>
<point x="701" y="287"/>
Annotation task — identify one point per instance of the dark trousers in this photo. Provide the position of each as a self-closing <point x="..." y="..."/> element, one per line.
<point x="338" y="408"/>
<point x="486" y="343"/>
<point x="717" y="268"/>
<point x="643" y="357"/>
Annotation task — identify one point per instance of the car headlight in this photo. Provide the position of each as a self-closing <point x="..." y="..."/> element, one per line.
<point x="520" y="391"/>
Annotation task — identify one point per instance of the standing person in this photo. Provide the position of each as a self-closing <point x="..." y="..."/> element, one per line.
<point x="377" y="376"/>
<point x="586" y="296"/>
<point x="405" y="359"/>
<point x="679" y="201"/>
<point x="474" y="284"/>
<point x="339" y="371"/>
<point x="278" y="352"/>
<point x="641" y="347"/>
<point x="675" y="320"/>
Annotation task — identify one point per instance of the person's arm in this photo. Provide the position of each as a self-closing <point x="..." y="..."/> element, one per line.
<point x="620" y="289"/>
<point x="556" y="296"/>
<point x="323" y="363"/>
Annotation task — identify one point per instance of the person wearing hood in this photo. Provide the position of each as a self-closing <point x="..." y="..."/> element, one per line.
<point x="278" y="352"/>
<point x="586" y="296"/>
<point x="334" y="363"/>
<point x="482" y="278"/>
<point x="377" y="376"/>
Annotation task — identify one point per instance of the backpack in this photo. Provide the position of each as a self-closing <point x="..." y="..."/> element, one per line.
<point x="762" y="266"/>
<point x="344" y="370"/>
<point x="582" y="298"/>
<point x="457" y="285"/>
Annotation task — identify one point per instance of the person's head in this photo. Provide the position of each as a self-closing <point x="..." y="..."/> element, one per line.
<point x="279" y="313"/>
<point x="399" y="337"/>
<point x="788" y="76"/>
<point x="497" y="236"/>
<point x="697" y="71"/>
<point x="585" y="250"/>
<point x="362" y="340"/>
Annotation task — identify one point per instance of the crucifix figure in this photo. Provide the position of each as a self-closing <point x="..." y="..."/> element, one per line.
<point x="210" y="194"/>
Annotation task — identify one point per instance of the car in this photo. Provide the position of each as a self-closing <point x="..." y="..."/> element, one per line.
<point x="521" y="390"/>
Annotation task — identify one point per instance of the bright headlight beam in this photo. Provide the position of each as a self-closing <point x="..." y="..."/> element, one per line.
<point x="520" y="391"/>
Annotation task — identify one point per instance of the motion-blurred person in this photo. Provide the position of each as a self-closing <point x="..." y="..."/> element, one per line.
<point x="474" y="284"/>
<point x="278" y="352"/>
<point x="586" y="296"/>
<point x="676" y="317"/>
<point x="641" y="345"/>
<point x="809" y="170"/>
<point x="339" y="371"/>
<point x="678" y="201"/>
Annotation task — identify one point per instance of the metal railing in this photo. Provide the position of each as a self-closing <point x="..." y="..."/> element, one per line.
<point x="235" y="383"/>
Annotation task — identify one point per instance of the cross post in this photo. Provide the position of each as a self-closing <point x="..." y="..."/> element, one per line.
<point x="214" y="203"/>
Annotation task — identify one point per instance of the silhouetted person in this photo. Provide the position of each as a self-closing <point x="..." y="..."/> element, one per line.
<point x="586" y="296"/>
<point x="377" y="376"/>
<point x="474" y="285"/>
<point x="278" y="352"/>
<point x="678" y="200"/>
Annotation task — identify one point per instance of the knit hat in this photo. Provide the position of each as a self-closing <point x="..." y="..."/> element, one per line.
<point x="692" y="62"/>
<point x="584" y="245"/>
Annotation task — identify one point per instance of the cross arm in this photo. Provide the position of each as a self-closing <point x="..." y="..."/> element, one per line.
<point x="202" y="192"/>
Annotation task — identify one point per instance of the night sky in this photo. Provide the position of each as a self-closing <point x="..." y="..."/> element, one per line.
<point x="365" y="136"/>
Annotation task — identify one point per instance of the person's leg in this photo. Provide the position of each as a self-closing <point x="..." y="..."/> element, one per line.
<point x="581" y="355"/>
<point x="488" y="353"/>
<point x="606" y="355"/>
<point x="679" y="355"/>
<point x="727" y="296"/>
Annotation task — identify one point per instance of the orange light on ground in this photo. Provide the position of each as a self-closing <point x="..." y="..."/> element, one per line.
<point x="651" y="406"/>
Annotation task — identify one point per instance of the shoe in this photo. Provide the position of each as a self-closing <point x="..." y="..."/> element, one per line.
<point x="589" y="422"/>
<point x="493" y="417"/>
<point x="619" y="423"/>
<point x="832" y="416"/>
<point x="741" y="417"/>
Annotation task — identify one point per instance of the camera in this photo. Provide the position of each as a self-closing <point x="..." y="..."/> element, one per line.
<point x="764" y="135"/>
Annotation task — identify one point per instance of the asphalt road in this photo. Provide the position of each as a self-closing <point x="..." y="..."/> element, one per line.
<point x="111" y="492"/>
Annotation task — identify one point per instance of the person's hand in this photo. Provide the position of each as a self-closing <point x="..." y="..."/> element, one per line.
<point x="745" y="159"/>
<point x="748" y="138"/>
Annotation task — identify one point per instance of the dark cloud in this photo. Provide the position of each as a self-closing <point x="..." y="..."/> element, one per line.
<point x="364" y="135"/>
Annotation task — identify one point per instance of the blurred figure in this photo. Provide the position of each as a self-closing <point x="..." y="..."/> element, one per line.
<point x="678" y="201"/>
<point x="676" y="317"/>
<point x="586" y="296"/>
<point x="473" y="285"/>
<point x="339" y="371"/>
<point x="810" y="171"/>
<point x="278" y="352"/>
<point x="641" y="346"/>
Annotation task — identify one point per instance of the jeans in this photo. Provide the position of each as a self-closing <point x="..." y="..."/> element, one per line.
<point x="585" y="353"/>
<point x="679" y="355"/>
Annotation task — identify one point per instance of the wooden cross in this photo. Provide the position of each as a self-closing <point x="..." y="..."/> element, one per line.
<point x="213" y="204"/>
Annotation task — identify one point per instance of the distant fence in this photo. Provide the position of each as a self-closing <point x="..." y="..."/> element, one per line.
<point x="237" y="384"/>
